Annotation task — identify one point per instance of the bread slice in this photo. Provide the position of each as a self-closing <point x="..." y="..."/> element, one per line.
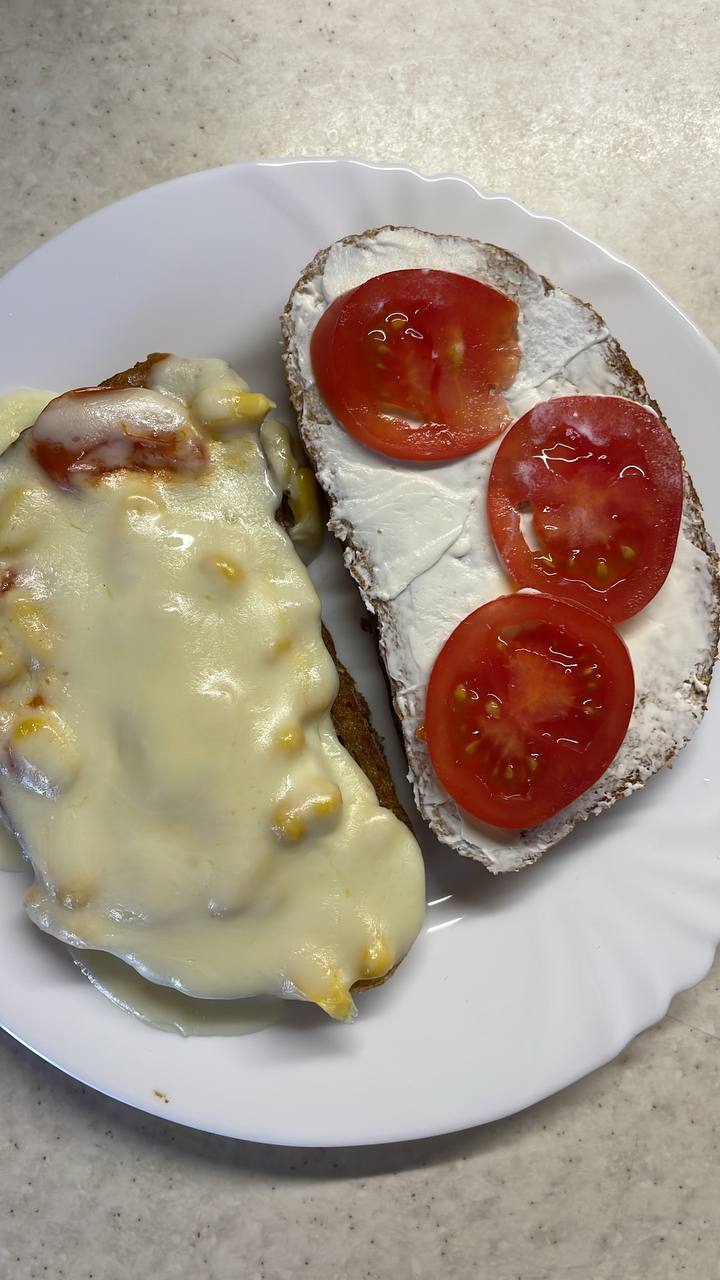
<point x="417" y="542"/>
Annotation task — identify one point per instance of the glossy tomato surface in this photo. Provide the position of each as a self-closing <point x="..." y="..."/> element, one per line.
<point x="585" y="500"/>
<point x="528" y="703"/>
<point x="412" y="363"/>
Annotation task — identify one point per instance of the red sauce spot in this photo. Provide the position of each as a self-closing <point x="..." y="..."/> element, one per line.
<point x="8" y="580"/>
<point x="68" y="466"/>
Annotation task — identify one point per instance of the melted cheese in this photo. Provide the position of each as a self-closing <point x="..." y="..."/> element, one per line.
<point x="165" y="734"/>
<point x="169" y="1010"/>
<point x="18" y="410"/>
<point x="10" y="855"/>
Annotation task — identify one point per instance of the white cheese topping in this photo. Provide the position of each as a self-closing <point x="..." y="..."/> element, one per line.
<point x="171" y="1010"/>
<point x="18" y="410"/>
<point x="170" y="763"/>
<point x="419" y="545"/>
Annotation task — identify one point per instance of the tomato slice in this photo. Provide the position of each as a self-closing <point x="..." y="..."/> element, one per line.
<point x="528" y="703"/>
<point x="585" y="501"/>
<point x="85" y="435"/>
<point x="412" y="363"/>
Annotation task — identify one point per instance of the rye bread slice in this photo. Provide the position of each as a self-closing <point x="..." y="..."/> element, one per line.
<point x="566" y="348"/>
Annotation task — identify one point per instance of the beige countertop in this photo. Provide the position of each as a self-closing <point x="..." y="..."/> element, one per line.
<point x="607" y="116"/>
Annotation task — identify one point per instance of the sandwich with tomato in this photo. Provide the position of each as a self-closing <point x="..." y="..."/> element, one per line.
<point x="519" y="519"/>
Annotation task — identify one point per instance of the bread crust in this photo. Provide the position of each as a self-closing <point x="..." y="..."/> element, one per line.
<point x="509" y="274"/>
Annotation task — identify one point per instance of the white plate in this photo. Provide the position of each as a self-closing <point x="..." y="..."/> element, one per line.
<point x="518" y="985"/>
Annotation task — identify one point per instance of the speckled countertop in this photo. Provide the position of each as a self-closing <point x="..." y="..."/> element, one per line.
<point x="609" y="117"/>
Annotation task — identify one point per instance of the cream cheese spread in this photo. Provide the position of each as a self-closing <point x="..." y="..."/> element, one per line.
<point x="419" y="545"/>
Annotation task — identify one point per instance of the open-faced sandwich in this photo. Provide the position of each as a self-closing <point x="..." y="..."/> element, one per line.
<point x="194" y="796"/>
<point x="519" y="519"/>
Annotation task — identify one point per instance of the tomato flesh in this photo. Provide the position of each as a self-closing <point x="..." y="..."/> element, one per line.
<point x="528" y="703"/>
<point x="585" y="501"/>
<point x="412" y="363"/>
<point x="128" y="440"/>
